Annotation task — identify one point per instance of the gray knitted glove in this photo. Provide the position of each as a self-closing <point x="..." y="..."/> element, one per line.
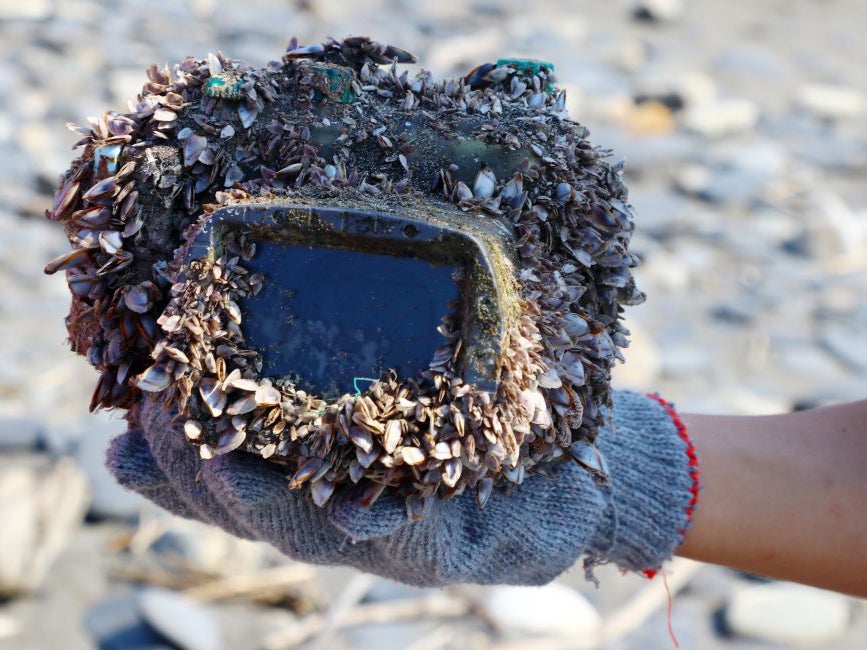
<point x="654" y="484"/>
<point x="527" y="536"/>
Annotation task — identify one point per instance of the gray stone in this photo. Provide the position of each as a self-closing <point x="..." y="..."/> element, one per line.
<point x="834" y="227"/>
<point x="832" y="101"/>
<point x="694" y="179"/>
<point x="18" y="187"/>
<point x="648" y="153"/>
<point x="692" y="88"/>
<point x="806" y="361"/>
<point x="181" y="621"/>
<point x="662" y="214"/>
<point x="383" y="590"/>
<point x="772" y="226"/>
<point x="125" y="84"/>
<point x="686" y="361"/>
<point x="658" y="10"/>
<point x="388" y="635"/>
<point x="19" y="433"/>
<point x="833" y="151"/>
<point x="30" y="10"/>
<point x="593" y="79"/>
<point x="115" y="624"/>
<point x="722" y="117"/>
<point x="9" y="627"/>
<point x="41" y="505"/>
<point x="846" y="344"/>
<point x="643" y="360"/>
<point x="109" y="498"/>
<point x="206" y="549"/>
<point x="788" y="614"/>
<point x="722" y="185"/>
<point x="663" y="272"/>
<point x="752" y="61"/>
<point x="553" y="609"/>
<point x="733" y="314"/>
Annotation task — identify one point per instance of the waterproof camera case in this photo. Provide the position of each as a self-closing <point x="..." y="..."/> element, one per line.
<point x="379" y="280"/>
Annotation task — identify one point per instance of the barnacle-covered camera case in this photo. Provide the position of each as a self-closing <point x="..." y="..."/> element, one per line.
<point x="381" y="281"/>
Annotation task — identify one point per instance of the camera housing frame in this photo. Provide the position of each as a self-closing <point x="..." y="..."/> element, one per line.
<point x="333" y="148"/>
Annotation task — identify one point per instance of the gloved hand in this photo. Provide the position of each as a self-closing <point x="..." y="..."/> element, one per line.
<point x="527" y="536"/>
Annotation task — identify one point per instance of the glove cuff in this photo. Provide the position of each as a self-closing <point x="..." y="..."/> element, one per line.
<point x="654" y="484"/>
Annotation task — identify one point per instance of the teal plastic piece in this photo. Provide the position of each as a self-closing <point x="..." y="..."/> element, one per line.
<point x="529" y="67"/>
<point x="224" y="86"/>
<point x="339" y="83"/>
<point x="526" y="66"/>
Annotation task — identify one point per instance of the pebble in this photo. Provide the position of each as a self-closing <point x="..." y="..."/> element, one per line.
<point x="664" y="272"/>
<point x="732" y="314"/>
<point x="647" y="152"/>
<point x="722" y="117"/>
<point x="661" y="213"/>
<point x="833" y="102"/>
<point x="205" y="548"/>
<point x="553" y="609"/>
<point x="643" y="360"/>
<point x="683" y="89"/>
<point x="658" y="10"/>
<point x="384" y="590"/>
<point x="685" y="359"/>
<point x="720" y="185"/>
<point x="109" y="500"/>
<point x="542" y="28"/>
<point x="19" y="433"/>
<point x="833" y="152"/>
<point x="753" y="62"/>
<point x="650" y="117"/>
<point x="453" y="51"/>
<point x="9" y="627"/>
<point x="124" y="84"/>
<point x="834" y="228"/>
<point x="389" y="635"/>
<point x="42" y="150"/>
<point x="30" y="10"/>
<point x="788" y="614"/>
<point x="842" y="342"/>
<point x="115" y="624"/>
<point x="772" y="226"/>
<point x="41" y="506"/>
<point x="182" y="621"/>
<point x="805" y="359"/>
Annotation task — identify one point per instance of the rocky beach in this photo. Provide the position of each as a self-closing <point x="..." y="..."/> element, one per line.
<point x="744" y="131"/>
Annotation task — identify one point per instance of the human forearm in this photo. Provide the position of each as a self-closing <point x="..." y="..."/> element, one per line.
<point x="784" y="495"/>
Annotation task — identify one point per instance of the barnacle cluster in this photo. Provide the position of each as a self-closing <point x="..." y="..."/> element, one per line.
<point x="338" y="124"/>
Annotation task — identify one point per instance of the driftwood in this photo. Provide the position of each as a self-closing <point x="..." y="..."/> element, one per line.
<point x="436" y="605"/>
<point x="250" y="585"/>
<point x="627" y="618"/>
<point x="346" y="613"/>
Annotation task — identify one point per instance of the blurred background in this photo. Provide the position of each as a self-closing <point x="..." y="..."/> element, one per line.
<point x="744" y="127"/>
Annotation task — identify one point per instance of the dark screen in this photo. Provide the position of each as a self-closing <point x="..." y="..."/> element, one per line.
<point x="325" y="317"/>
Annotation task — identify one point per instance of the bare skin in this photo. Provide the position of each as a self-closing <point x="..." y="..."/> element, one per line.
<point x="784" y="496"/>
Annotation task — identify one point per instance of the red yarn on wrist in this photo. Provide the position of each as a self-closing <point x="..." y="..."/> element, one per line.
<point x="692" y="464"/>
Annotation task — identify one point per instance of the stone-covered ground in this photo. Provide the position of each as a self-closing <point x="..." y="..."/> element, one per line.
<point x="744" y="126"/>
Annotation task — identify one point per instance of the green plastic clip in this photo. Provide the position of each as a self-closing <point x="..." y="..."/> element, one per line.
<point x="224" y="86"/>
<point x="529" y="67"/>
<point x="339" y="83"/>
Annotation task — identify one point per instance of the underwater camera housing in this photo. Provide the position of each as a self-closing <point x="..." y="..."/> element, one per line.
<point x="380" y="281"/>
